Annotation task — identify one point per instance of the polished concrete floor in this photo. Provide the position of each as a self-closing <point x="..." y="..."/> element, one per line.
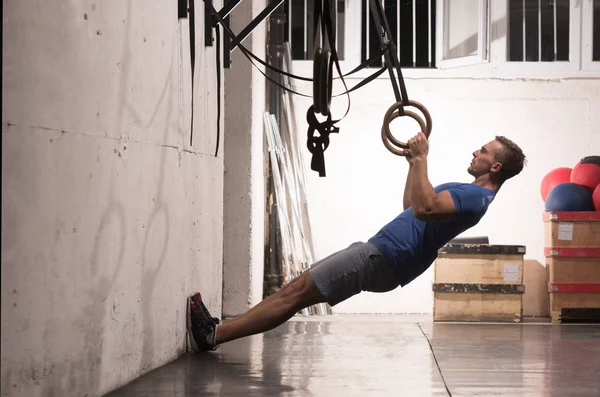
<point x="389" y="356"/>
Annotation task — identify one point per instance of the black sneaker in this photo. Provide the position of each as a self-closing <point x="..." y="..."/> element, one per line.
<point x="199" y="324"/>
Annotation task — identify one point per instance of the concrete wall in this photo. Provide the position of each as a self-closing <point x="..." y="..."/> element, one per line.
<point x="244" y="197"/>
<point x="556" y="122"/>
<point x="109" y="217"/>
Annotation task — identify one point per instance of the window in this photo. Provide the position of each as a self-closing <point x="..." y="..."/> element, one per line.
<point x="538" y="38"/>
<point x="538" y="31"/>
<point x="411" y="22"/>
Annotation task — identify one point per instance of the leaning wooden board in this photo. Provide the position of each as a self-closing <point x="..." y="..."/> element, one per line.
<point x="479" y="282"/>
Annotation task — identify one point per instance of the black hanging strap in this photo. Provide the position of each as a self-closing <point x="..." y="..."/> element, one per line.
<point x="218" y="56"/>
<point x="364" y="82"/>
<point x="390" y="53"/>
<point x="318" y="144"/>
<point x="251" y="56"/>
<point x="192" y="12"/>
<point x="248" y="54"/>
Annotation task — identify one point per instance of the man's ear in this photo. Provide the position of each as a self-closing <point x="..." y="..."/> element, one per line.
<point x="496" y="167"/>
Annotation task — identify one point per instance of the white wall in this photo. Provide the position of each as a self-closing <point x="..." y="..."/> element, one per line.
<point x="244" y="197"/>
<point x="555" y="123"/>
<point x="109" y="217"/>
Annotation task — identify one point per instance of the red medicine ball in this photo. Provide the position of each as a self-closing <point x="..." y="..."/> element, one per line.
<point x="587" y="172"/>
<point x="596" y="198"/>
<point x="553" y="178"/>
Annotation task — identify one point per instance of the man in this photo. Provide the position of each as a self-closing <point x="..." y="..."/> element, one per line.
<point x="400" y="252"/>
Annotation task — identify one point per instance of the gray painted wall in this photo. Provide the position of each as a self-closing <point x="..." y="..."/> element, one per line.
<point x="109" y="217"/>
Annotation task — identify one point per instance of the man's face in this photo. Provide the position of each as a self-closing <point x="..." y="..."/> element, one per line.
<point x="485" y="159"/>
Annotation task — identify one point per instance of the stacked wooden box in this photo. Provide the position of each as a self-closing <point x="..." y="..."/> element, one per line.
<point x="572" y="250"/>
<point x="479" y="282"/>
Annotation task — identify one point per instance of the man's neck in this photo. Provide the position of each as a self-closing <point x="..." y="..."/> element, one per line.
<point x="485" y="182"/>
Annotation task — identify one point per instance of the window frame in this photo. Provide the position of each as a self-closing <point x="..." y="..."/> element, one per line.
<point x="587" y="41"/>
<point x="482" y="39"/>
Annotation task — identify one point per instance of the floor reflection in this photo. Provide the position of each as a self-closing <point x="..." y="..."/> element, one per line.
<point x="388" y="355"/>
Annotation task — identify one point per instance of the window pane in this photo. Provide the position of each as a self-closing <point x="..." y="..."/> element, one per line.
<point x="515" y="31"/>
<point x="300" y="24"/>
<point x="369" y="38"/>
<point x="341" y="28"/>
<point x="424" y="57"/>
<point x="297" y="20"/>
<point x="531" y="30"/>
<point x="547" y="31"/>
<point x="410" y="22"/>
<point x="461" y="26"/>
<point x="562" y="29"/>
<point x="405" y="41"/>
<point x="596" y="32"/>
<point x="538" y="30"/>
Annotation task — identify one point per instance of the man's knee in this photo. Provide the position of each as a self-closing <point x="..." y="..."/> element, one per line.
<point x="302" y="291"/>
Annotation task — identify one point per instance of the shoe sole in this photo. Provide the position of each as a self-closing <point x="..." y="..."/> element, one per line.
<point x="193" y="343"/>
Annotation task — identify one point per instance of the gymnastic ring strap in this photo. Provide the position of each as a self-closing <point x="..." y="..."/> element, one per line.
<point x="317" y="83"/>
<point x="322" y="81"/>
<point x="326" y="84"/>
<point x="324" y="56"/>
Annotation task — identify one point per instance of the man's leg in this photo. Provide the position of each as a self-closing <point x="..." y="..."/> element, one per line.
<point x="273" y="311"/>
<point x="360" y="267"/>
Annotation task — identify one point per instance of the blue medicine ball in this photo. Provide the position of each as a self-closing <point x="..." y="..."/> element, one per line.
<point x="569" y="196"/>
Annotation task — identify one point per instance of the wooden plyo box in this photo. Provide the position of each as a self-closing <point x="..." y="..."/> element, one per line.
<point x="572" y="229"/>
<point x="572" y="254"/>
<point x="479" y="282"/>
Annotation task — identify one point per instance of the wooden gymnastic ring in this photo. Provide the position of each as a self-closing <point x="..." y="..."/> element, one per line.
<point x="428" y="120"/>
<point x="387" y="137"/>
<point x="388" y="117"/>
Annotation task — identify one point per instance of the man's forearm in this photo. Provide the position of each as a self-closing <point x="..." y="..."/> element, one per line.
<point x="407" y="188"/>
<point x="422" y="193"/>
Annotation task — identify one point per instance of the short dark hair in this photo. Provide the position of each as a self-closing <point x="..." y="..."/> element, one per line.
<point x="512" y="158"/>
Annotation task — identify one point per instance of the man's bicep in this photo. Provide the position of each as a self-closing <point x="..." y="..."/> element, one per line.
<point x="443" y="208"/>
<point x="444" y="204"/>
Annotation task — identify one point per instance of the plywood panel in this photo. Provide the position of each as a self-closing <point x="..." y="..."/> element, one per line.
<point x="536" y="297"/>
<point x="480" y="268"/>
<point x="572" y="234"/>
<point x="477" y="307"/>
<point x="573" y="270"/>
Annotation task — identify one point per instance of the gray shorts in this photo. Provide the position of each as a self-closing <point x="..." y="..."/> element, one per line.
<point x="360" y="267"/>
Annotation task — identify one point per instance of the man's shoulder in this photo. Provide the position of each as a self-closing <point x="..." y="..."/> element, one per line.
<point x="470" y="187"/>
<point x="448" y="185"/>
